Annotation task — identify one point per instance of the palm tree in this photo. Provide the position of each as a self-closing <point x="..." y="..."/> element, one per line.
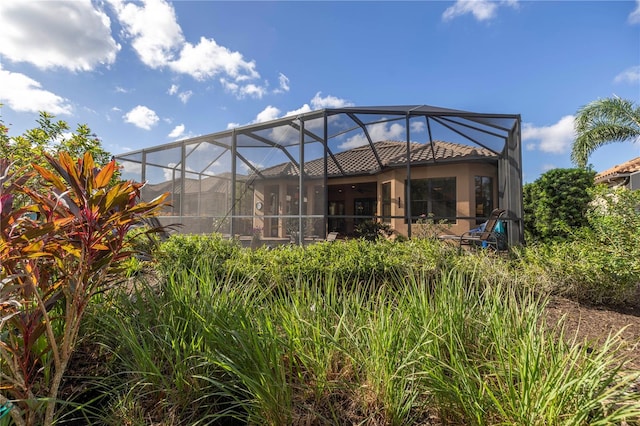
<point x="602" y="122"/>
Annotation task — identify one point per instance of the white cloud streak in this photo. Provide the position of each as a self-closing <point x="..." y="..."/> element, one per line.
<point x="482" y="10"/>
<point x="23" y="94"/>
<point x="555" y="139"/>
<point x="142" y="117"/>
<point x="634" y="17"/>
<point x="177" y="131"/>
<point x="630" y="75"/>
<point x="73" y="35"/>
<point x="184" y="96"/>
<point x="284" y="84"/>
<point x="317" y="102"/>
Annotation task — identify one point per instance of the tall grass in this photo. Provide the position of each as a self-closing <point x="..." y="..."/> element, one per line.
<point x="406" y="347"/>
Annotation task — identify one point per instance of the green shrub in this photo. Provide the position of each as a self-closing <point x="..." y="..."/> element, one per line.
<point x="583" y="269"/>
<point x="614" y="216"/>
<point x="185" y="252"/>
<point x="555" y="204"/>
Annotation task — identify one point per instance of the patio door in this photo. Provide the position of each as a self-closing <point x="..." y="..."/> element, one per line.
<point x="364" y="207"/>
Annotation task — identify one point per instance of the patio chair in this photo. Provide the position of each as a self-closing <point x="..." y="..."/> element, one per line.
<point x="484" y="236"/>
<point x="332" y="236"/>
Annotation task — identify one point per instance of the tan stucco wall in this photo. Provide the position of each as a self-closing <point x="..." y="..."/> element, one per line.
<point x="465" y="196"/>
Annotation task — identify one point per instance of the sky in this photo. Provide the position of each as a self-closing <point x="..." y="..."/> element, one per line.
<point x="145" y="73"/>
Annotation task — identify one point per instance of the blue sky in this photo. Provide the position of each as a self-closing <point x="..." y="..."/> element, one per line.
<point x="146" y="73"/>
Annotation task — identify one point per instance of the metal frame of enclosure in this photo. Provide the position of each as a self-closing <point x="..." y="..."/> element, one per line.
<point x="275" y="179"/>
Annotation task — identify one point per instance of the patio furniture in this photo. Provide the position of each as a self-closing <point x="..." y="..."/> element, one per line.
<point x="332" y="236"/>
<point x="484" y="236"/>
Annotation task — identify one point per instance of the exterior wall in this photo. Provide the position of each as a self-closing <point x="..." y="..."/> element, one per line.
<point x="465" y="196"/>
<point x="465" y="191"/>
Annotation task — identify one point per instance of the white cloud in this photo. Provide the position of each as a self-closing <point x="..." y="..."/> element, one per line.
<point x="284" y="84"/>
<point x="318" y="102"/>
<point x="253" y="91"/>
<point x="630" y="75"/>
<point x="547" y="167"/>
<point x="555" y="139"/>
<point x="377" y="132"/>
<point x="70" y="34"/>
<point x="418" y="126"/>
<point x="304" y="108"/>
<point x="482" y="10"/>
<point x="634" y="17"/>
<point x="242" y="91"/>
<point x="121" y="90"/>
<point x="153" y="28"/>
<point x="177" y="131"/>
<point x="208" y="59"/>
<point x="23" y="94"/>
<point x="159" y="42"/>
<point x="184" y="96"/>
<point x="267" y="114"/>
<point x="142" y="117"/>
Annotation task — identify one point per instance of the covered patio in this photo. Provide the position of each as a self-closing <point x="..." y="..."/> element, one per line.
<point x="301" y="177"/>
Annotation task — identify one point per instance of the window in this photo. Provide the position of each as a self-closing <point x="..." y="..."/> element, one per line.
<point x="484" y="197"/>
<point x="386" y="202"/>
<point x="433" y="197"/>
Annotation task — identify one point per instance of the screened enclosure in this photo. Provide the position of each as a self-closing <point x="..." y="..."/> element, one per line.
<point x="300" y="177"/>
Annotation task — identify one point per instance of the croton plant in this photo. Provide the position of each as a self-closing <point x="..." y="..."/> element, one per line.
<point x="57" y="250"/>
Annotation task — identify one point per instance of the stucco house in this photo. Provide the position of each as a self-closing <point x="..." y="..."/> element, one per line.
<point x="327" y="170"/>
<point x="449" y="182"/>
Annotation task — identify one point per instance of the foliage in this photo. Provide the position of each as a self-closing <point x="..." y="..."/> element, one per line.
<point x="556" y="202"/>
<point x="598" y="263"/>
<point x="58" y="251"/>
<point x="373" y="230"/>
<point x="427" y="227"/>
<point x="602" y="122"/>
<point x="206" y="350"/>
<point x="50" y="137"/>
<point x="359" y="260"/>
<point x="182" y="252"/>
<point x="582" y="269"/>
<point x="614" y="216"/>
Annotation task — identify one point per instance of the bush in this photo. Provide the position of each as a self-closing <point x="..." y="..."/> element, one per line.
<point x="583" y="269"/>
<point x="183" y="252"/>
<point x="555" y="204"/>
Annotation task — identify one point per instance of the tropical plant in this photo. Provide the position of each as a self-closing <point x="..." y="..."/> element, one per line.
<point x="602" y="122"/>
<point x="58" y="250"/>
<point x="373" y="230"/>
<point x="50" y="137"/>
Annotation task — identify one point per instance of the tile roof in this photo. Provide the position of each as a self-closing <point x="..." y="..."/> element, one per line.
<point x="620" y="170"/>
<point x="362" y="160"/>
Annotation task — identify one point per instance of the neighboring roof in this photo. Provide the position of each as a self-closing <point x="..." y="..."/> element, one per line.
<point x="619" y="171"/>
<point x="362" y="159"/>
<point x="207" y="184"/>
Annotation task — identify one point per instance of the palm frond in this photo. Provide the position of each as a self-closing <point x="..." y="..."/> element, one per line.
<point x="602" y="122"/>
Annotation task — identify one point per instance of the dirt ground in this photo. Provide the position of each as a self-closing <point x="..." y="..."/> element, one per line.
<point x="596" y="323"/>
